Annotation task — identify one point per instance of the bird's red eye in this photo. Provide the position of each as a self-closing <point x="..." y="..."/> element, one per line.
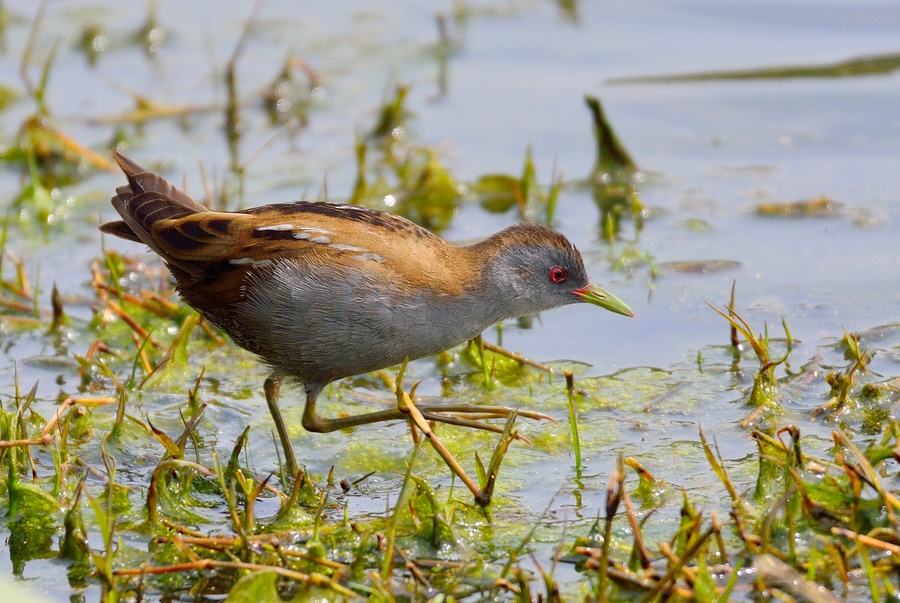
<point x="558" y="274"/>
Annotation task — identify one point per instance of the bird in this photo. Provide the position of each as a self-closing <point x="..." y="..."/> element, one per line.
<point x="323" y="291"/>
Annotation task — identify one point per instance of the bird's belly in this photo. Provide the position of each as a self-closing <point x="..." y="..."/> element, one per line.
<point x="326" y="331"/>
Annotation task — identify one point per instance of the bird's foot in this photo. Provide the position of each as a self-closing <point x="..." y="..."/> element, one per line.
<point x="419" y="417"/>
<point x="471" y="416"/>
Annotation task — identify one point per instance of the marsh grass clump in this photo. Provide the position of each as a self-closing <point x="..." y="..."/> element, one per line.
<point x="843" y="382"/>
<point x="765" y="393"/>
<point x="127" y="306"/>
<point x="614" y="177"/>
<point x="806" y="523"/>
<point x="498" y="193"/>
<point x="394" y="173"/>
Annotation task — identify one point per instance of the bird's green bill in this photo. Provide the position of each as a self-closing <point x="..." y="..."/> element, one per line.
<point x="593" y="294"/>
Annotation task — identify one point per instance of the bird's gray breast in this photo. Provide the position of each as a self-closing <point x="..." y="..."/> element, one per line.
<point x="320" y="323"/>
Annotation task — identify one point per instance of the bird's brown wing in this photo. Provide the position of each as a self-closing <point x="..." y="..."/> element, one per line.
<point x="213" y="251"/>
